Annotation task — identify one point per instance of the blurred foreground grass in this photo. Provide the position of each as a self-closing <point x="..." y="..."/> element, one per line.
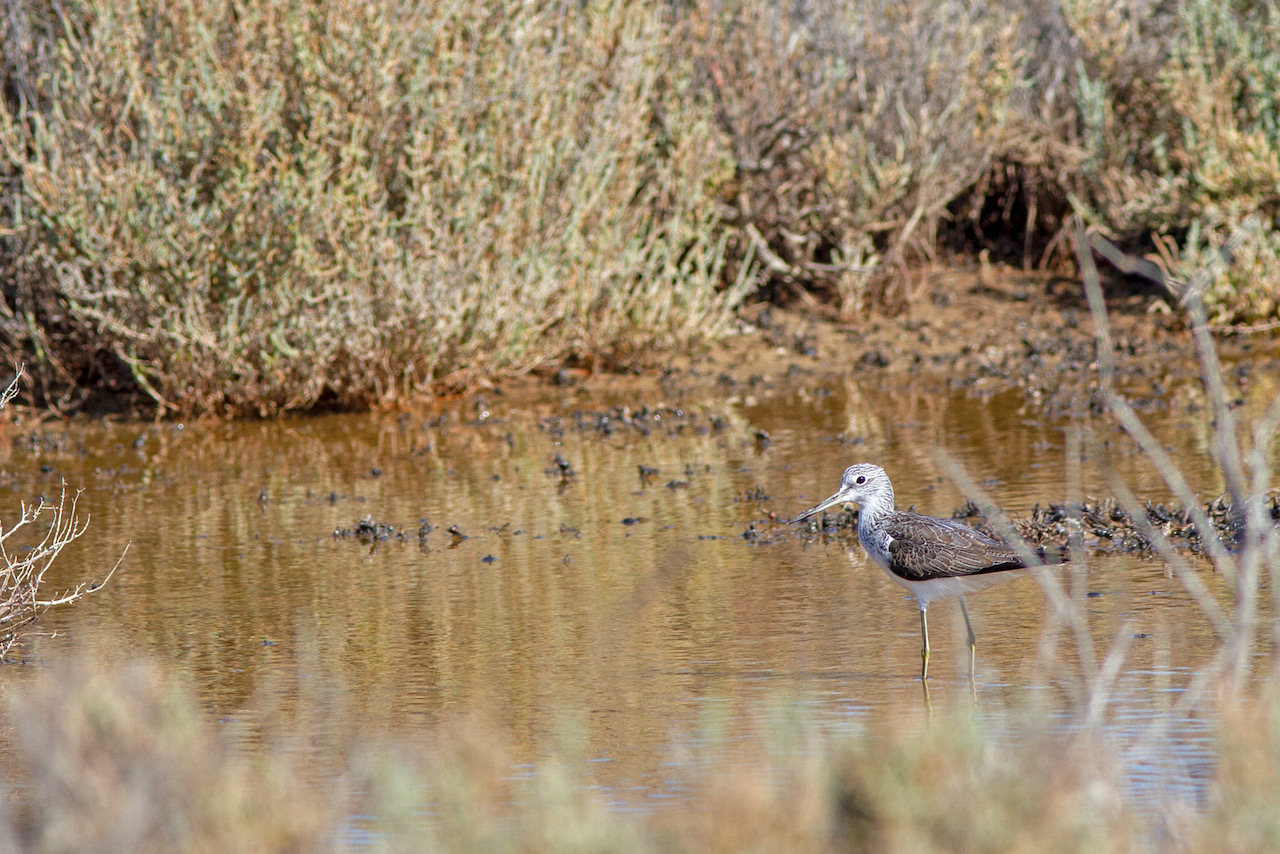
<point x="248" y="209"/>
<point x="119" y="760"/>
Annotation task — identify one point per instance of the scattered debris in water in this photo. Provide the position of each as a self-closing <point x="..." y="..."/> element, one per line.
<point x="643" y="420"/>
<point x="45" y="442"/>
<point x="563" y="467"/>
<point x="367" y="531"/>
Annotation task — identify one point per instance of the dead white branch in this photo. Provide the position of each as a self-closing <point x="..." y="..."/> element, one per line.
<point x="24" y="560"/>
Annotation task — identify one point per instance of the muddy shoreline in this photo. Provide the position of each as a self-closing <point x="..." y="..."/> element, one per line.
<point x="985" y="331"/>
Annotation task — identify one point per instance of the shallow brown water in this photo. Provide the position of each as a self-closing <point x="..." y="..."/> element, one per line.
<point x="630" y="610"/>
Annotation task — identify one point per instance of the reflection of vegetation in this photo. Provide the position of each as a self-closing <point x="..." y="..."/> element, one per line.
<point x="25" y="563"/>
<point x="350" y="203"/>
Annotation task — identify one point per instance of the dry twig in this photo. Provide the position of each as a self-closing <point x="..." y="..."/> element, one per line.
<point x="24" y="565"/>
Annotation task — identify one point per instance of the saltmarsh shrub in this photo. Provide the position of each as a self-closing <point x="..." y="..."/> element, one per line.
<point x="262" y="207"/>
<point x="853" y="127"/>
<point x="251" y="209"/>
<point x="1180" y="111"/>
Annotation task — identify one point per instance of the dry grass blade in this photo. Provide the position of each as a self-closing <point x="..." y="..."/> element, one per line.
<point x="1181" y="567"/>
<point x="1063" y="606"/>
<point x="1264" y="434"/>
<point x="1241" y="561"/>
<point x="1129" y="419"/>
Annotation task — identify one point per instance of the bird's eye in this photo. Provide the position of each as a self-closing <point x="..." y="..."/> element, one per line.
<point x="860" y="479"/>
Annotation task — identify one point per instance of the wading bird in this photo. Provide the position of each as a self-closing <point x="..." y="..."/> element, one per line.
<point x="932" y="558"/>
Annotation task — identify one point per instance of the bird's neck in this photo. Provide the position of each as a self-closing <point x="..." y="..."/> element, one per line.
<point x="871" y="533"/>
<point x="873" y="509"/>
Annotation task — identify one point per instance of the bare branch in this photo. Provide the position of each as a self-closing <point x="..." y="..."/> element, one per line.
<point x="22" y="571"/>
<point x="12" y="391"/>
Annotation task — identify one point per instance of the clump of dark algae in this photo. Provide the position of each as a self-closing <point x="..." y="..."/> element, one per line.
<point x="1111" y="528"/>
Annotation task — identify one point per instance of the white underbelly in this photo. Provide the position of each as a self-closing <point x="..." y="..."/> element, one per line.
<point x="933" y="589"/>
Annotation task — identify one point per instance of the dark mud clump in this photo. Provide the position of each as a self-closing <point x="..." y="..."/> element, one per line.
<point x="1109" y="527"/>
<point x="369" y="532"/>
<point x="366" y="531"/>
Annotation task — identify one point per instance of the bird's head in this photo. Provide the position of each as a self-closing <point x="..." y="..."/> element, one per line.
<point x="862" y="483"/>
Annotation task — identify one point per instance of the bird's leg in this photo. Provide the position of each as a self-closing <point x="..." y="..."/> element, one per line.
<point x="924" y="652"/>
<point x="973" y="641"/>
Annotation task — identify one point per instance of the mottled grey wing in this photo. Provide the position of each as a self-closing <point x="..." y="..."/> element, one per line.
<point x="925" y="547"/>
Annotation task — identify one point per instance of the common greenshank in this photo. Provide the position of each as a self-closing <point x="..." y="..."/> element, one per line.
<point x="932" y="558"/>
